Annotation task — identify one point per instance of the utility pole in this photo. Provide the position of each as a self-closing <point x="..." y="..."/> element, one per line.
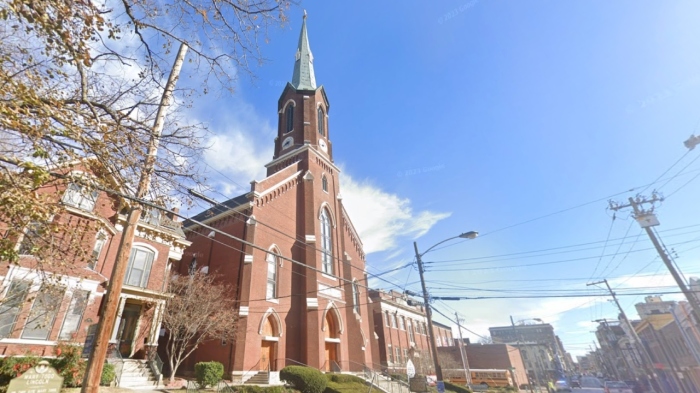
<point x="465" y="358"/>
<point x="647" y="220"/>
<point x="648" y="362"/>
<point x="429" y="315"/>
<point x="93" y="372"/>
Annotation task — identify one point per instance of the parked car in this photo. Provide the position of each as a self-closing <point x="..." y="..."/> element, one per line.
<point x="561" y="386"/>
<point x="617" y="387"/>
<point x="575" y="383"/>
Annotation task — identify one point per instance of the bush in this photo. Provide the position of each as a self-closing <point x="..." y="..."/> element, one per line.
<point x="304" y="379"/>
<point x="12" y="367"/>
<point x="69" y="365"/>
<point x="456" y="388"/>
<point x="343" y="378"/>
<point x="208" y="373"/>
<point x="108" y="374"/>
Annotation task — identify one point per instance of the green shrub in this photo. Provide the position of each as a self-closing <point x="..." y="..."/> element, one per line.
<point x="304" y="379"/>
<point x="343" y="378"/>
<point x="275" y="389"/>
<point x="456" y="388"/>
<point x="69" y="365"/>
<point x="208" y="373"/>
<point x="108" y="374"/>
<point x="12" y="367"/>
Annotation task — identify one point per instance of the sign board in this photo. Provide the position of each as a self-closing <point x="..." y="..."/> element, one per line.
<point x="418" y="384"/>
<point x="89" y="341"/>
<point x="441" y="386"/>
<point x="39" y="379"/>
<point x="410" y="369"/>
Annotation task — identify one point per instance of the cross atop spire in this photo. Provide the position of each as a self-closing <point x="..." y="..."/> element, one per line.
<point x="304" y="78"/>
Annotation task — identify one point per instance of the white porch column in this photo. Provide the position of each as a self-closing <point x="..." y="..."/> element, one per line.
<point x="118" y="320"/>
<point x="157" y="322"/>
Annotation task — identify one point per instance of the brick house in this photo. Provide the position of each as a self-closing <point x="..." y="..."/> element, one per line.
<point x="44" y="304"/>
<point x="402" y="331"/>
<point x="299" y="279"/>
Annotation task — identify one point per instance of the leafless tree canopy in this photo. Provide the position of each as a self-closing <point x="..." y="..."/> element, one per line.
<point x="200" y="309"/>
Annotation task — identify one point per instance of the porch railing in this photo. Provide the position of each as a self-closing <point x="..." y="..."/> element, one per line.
<point x="117" y="356"/>
<point x="156" y="365"/>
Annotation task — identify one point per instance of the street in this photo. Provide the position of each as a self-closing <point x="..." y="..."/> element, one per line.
<point x="590" y="384"/>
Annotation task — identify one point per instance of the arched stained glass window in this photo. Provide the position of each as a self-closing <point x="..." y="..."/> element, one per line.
<point x="326" y="243"/>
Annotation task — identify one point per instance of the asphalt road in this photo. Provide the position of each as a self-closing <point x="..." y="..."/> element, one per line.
<point x="590" y="385"/>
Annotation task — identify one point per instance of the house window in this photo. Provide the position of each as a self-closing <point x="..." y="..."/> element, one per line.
<point x="289" y="114"/>
<point x="411" y="335"/>
<point x="151" y="216"/>
<point x="402" y="323"/>
<point x="321" y="125"/>
<point x="398" y="355"/>
<point x="43" y="314"/>
<point x="393" y="321"/>
<point x="30" y="241"/>
<point x="100" y="240"/>
<point x="11" y="306"/>
<point x="390" y="352"/>
<point x="271" y="276"/>
<point x="324" y="183"/>
<point x="139" y="267"/>
<point x="388" y="319"/>
<point x="326" y="244"/>
<point x="77" y="195"/>
<point x="74" y="315"/>
<point x="356" y="297"/>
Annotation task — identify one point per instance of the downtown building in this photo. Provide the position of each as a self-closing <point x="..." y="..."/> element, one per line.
<point x="43" y="305"/>
<point x="298" y="276"/>
<point x="401" y="327"/>
<point x="541" y="350"/>
<point x="671" y="337"/>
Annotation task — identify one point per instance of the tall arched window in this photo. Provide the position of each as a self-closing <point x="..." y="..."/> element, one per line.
<point x="139" y="267"/>
<point x="324" y="183"/>
<point x="356" y="297"/>
<point x="271" y="276"/>
<point x="321" y="122"/>
<point x="289" y="114"/>
<point x="326" y="243"/>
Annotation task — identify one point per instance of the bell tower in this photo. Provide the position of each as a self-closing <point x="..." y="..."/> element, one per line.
<point x="303" y="108"/>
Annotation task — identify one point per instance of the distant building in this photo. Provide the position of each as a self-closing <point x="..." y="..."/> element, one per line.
<point x="498" y="356"/>
<point x="611" y="337"/>
<point x="673" y="342"/>
<point x="534" y="334"/>
<point x="402" y="330"/>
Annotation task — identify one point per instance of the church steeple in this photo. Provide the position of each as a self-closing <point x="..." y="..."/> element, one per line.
<point x="304" y="78"/>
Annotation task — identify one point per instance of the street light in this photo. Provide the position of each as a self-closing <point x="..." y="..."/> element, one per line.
<point x="428" y="311"/>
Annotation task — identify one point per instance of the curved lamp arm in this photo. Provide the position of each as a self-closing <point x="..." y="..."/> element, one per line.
<point x="465" y="235"/>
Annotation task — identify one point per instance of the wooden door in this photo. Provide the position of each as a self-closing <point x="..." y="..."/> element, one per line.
<point x="267" y="354"/>
<point x="331" y="355"/>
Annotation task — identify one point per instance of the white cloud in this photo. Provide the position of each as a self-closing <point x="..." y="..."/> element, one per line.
<point x="236" y="154"/>
<point x="380" y="217"/>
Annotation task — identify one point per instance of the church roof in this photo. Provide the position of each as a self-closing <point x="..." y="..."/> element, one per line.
<point x="304" y="78"/>
<point x="216" y="210"/>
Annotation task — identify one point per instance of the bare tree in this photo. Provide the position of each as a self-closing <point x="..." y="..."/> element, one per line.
<point x="199" y="310"/>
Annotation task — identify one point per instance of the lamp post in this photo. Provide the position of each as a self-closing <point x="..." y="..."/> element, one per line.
<point x="428" y="311"/>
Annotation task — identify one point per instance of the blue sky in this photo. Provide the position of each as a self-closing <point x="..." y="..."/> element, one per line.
<point x="478" y="115"/>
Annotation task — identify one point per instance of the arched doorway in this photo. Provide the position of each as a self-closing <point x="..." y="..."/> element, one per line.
<point x="268" y="347"/>
<point x="332" y="338"/>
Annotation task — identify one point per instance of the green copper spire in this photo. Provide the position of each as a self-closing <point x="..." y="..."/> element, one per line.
<point x="304" y="78"/>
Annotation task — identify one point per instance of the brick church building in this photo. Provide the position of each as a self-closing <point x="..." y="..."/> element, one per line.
<point x="299" y="279"/>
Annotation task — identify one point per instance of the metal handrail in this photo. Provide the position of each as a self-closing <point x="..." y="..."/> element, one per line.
<point x="156" y="365"/>
<point x="118" y="375"/>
